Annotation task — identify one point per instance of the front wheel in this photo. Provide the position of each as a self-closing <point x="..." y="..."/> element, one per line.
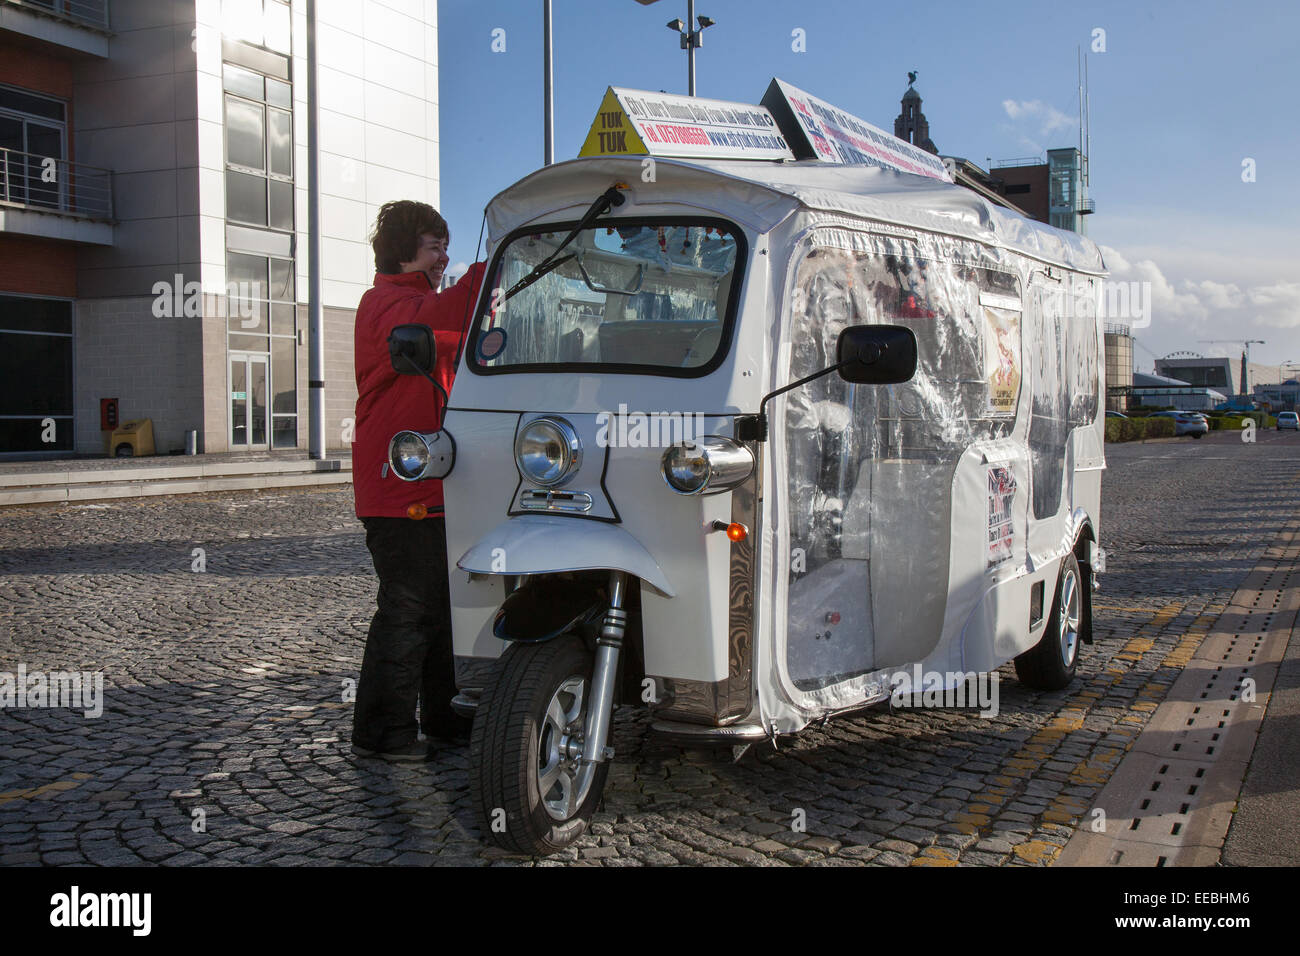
<point x="1051" y="663"/>
<point x="532" y="791"/>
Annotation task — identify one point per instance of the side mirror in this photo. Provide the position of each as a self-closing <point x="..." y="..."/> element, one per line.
<point x="411" y="349"/>
<point x="876" y="354"/>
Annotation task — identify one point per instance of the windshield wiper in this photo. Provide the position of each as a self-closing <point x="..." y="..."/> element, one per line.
<point x="608" y="199"/>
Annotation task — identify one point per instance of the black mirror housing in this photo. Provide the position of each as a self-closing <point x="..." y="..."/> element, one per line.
<point x="876" y="354"/>
<point x="411" y="349"/>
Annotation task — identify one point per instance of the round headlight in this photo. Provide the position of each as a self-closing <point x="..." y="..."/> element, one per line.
<point x="408" y="455"/>
<point x="686" y="468"/>
<point x="709" y="465"/>
<point x="548" y="451"/>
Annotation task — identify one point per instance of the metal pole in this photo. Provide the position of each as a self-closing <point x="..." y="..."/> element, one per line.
<point x="315" y="321"/>
<point x="690" y="46"/>
<point x="548" y="95"/>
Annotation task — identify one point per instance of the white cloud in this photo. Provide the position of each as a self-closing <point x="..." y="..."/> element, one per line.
<point x="456" y="271"/>
<point x="1186" y="310"/>
<point x="1045" y="117"/>
<point x="1217" y="295"/>
<point x="1166" y="301"/>
<point x="1278" y="304"/>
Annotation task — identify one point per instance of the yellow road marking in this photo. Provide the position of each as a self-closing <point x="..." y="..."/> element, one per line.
<point x="35" y="792"/>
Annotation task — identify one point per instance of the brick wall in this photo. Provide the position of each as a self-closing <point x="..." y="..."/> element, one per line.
<point x="153" y="366"/>
<point x="31" y="266"/>
<point x="340" y="376"/>
<point x="37" y="71"/>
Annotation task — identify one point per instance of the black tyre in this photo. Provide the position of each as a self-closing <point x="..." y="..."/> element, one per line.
<point x="532" y="793"/>
<point x="1198" y="434"/>
<point x="1051" y="663"/>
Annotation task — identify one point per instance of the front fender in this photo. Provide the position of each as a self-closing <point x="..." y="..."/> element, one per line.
<point x="545" y="544"/>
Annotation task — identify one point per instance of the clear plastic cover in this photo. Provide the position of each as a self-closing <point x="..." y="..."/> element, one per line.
<point x="869" y="468"/>
<point x="1065" y="381"/>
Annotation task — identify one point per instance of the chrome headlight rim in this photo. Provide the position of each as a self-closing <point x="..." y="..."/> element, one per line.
<point x="570" y="451"/>
<point x="729" y="464"/>
<point x="436" y="455"/>
<point x="392" y="460"/>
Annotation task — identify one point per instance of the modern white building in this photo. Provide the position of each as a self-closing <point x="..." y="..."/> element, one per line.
<point x="153" y="209"/>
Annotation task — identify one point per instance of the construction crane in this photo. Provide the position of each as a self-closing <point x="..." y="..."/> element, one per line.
<point x="1245" y="356"/>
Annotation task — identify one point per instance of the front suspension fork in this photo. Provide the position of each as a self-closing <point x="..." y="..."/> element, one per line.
<point x="608" y="645"/>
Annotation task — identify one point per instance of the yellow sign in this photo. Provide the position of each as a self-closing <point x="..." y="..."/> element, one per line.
<point x="639" y="123"/>
<point x="612" y="132"/>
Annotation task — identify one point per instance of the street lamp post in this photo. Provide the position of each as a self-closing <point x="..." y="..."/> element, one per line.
<point x="690" y="39"/>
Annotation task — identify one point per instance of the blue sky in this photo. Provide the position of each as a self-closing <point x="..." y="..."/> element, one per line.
<point x="1182" y="95"/>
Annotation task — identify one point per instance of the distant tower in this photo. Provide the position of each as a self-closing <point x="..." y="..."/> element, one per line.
<point x="911" y="124"/>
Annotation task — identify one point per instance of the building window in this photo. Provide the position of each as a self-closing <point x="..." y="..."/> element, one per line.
<point x="265" y="23"/>
<point x="33" y="129"/>
<point x="259" y="149"/>
<point x="262" y="327"/>
<point x="35" y="374"/>
<point x="1016" y="189"/>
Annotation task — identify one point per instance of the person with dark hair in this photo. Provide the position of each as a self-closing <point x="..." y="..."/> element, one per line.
<point x="408" y="654"/>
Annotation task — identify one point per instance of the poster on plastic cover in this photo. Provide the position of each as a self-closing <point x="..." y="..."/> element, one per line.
<point x="817" y="130"/>
<point x="1002" y="531"/>
<point x="1002" y="361"/>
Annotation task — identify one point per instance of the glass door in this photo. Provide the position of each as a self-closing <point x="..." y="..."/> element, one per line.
<point x="248" y="412"/>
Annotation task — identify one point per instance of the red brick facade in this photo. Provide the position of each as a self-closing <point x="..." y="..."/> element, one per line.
<point x="30" y="266"/>
<point x="36" y="71"/>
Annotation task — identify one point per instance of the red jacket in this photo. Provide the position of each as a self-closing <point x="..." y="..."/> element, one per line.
<point x="388" y="402"/>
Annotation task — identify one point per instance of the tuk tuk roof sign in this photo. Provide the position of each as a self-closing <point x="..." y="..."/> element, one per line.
<point x="637" y="122"/>
<point x="817" y="130"/>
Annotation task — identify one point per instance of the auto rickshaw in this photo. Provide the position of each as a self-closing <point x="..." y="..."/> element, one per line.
<point x="741" y="444"/>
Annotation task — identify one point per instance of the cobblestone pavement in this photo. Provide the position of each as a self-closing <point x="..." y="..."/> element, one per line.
<point x="224" y="736"/>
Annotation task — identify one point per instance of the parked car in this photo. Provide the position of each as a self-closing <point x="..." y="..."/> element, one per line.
<point x="1288" y="420"/>
<point x="1186" y="423"/>
<point x="1110" y="414"/>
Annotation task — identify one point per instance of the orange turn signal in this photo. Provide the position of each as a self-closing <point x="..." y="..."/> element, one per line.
<point x="737" y="531"/>
<point x="417" y="511"/>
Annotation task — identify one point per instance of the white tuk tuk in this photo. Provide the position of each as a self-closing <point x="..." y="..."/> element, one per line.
<point x="656" y="494"/>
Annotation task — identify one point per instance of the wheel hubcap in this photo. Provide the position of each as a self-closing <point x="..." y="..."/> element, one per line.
<point x="1068" y="625"/>
<point x="563" y="780"/>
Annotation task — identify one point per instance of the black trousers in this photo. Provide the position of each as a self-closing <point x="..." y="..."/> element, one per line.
<point x="408" y="653"/>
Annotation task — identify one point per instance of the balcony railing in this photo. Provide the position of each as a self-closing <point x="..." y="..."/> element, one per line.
<point x="1018" y="161"/>
<point x="1087" y="207"/>
<point x="55" y="185"/>
<point x="90" y="13"/>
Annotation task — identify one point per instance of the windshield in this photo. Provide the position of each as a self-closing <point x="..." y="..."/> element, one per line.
<point x="629" y="297"/>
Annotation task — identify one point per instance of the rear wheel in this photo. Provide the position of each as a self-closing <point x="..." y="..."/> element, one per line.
<point x="1051" y="663"/>
<point x="531" y="789"/>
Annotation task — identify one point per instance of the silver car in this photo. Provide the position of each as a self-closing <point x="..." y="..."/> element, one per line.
<point x="1186" y="423"/>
